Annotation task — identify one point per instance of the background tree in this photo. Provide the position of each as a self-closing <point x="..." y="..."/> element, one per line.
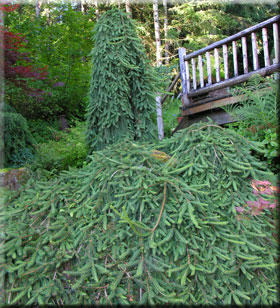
<point x="128" y="8"/>
<point x="157" y="32"/>
<point x="166" y="54"/>
<point x="63" y="44"/>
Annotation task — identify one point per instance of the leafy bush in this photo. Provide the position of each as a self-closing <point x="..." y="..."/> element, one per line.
<point x="170" y="112"/>
<point x="18" y="141"/>
<point x="34" y="107"/>
<point x="67" y="150"/>
<point x="43" y="131"/>
<point x="137" y="225"/>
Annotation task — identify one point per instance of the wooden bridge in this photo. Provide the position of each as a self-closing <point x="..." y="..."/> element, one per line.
<point x="202" y="98"/>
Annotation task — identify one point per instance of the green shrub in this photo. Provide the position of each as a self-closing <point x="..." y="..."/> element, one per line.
<point x="67" y="150"/>
<point x="138" y="226"/>
<point x="170" y="112"/>
<point x="34" y="107"/>
<point x="43" y="131"/>
<point x="18" y="141"/>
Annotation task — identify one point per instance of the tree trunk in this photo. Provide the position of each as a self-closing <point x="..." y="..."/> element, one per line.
<point x="157" y="32"/>
<point x="128" y="8"/>
<point x="96" y="10"/>
<point x="48" y="12"/>
<point x="38" y="8"/>
<point x="82" y="6"/>
<point x="166" y="47"/>
<point x="158" y="57"/>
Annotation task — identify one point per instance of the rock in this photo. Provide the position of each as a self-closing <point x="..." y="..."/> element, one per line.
<point x="13" y="178"/>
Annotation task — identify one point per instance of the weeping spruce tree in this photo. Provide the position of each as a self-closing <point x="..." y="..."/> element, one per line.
<point x="138" y="226"/>
<point x="122" y="91"/>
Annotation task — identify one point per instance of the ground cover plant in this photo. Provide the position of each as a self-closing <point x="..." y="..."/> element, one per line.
<point x="64" y="150"/>
<point x="145" y="224"/>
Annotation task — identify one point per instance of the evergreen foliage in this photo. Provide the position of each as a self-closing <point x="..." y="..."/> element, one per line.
<point x="18" y="141"/>
<point x="137" y="225"/>
<point x="122" y="90"/>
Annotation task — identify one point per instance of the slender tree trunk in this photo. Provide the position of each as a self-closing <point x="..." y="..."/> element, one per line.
<point x="128" y="8"/>
<point x="82" y="6"/>
<point x="158" y="57"/>
<point x="157" y="32"/>
<point x="38" y="8"/>
<point x="96" y="10"/>
<point x="166" y="47"/>
<point x="48" y="12"/>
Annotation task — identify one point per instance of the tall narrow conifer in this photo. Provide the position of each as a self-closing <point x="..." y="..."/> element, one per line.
<point x="121" y="97"/>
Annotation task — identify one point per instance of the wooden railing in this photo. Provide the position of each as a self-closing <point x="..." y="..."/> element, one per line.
<point x="193" y="87"/>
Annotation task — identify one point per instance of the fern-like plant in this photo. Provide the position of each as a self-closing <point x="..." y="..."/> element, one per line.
<point x="259" y="105"/>
<point x="257" y="116"/>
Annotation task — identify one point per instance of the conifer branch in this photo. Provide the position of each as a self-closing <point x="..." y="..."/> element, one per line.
<point x="162" y="206"/>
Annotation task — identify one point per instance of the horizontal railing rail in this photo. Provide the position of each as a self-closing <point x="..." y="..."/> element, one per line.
<point x="233" y="37"/>
<point x="192" y="69"/>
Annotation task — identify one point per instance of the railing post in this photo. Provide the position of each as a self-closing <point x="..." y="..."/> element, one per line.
<point x="244" y="52"/>
<point x="265" y="47"/>
<point x="194" y="73"/>
<point x="159" y="118"/>
<point x="185" y="99"/>
<point x="200" y="67"/>
<point x="276" y="43"/>
<point x="209" y="72"/>
<point x="225" y="55"/>
<point x="235" y="63"/>
<point x="255" y="51"/>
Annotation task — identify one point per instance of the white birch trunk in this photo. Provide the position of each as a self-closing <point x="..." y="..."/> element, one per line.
<point x="166" y="45"/>
<point x="157" y="32"/>
<point x="82" y="6"/>
<point x="158" y="57"/>
<point x="128" y="8"/>
<point x="96" y="10"/>
<point x="38" y="8"/>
